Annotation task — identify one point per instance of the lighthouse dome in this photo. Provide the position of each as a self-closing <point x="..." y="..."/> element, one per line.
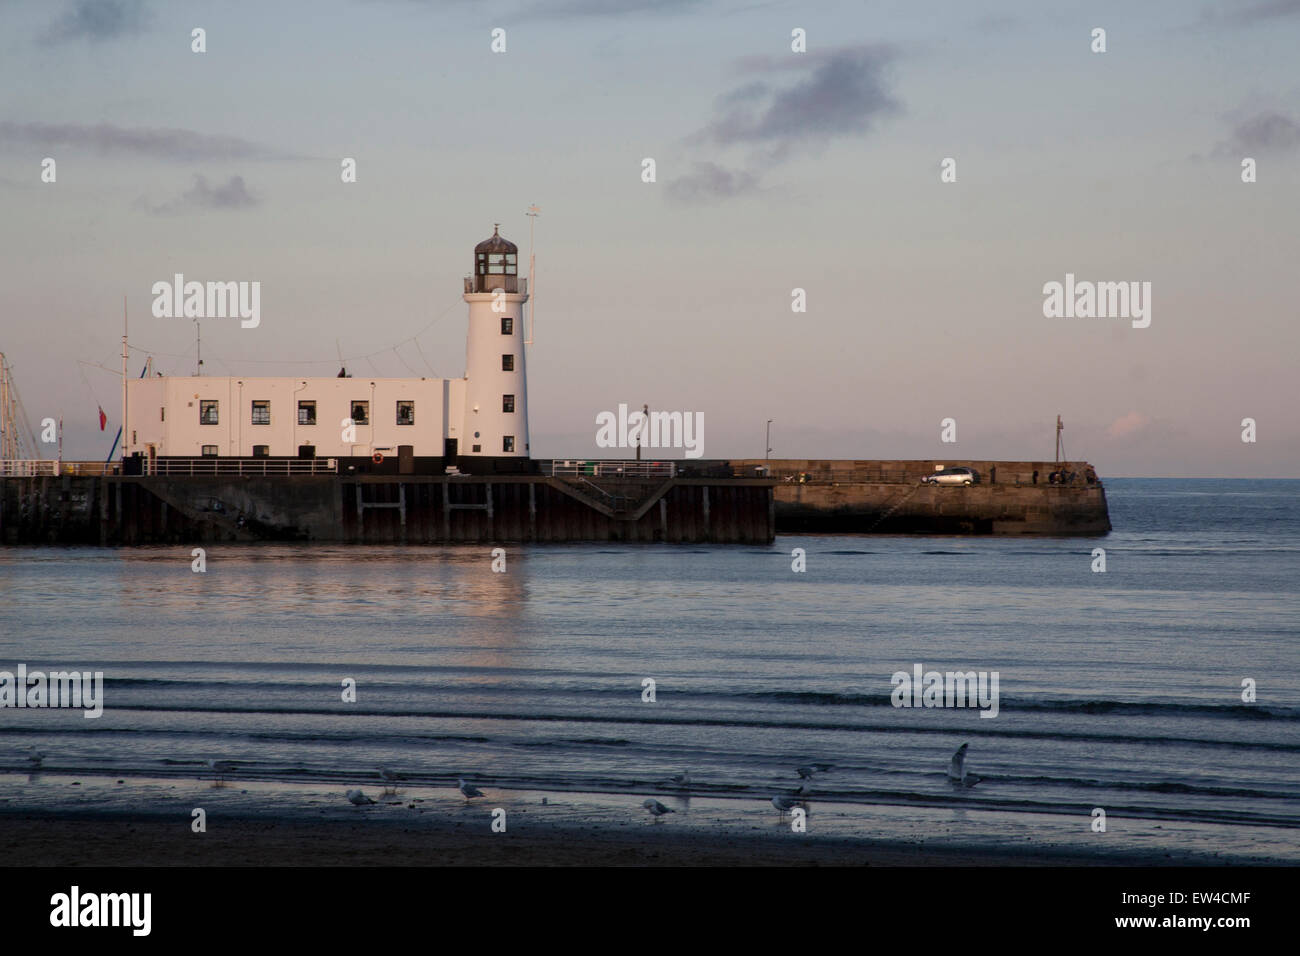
<point x="496" y="265"/>
<point x="496" y="244"/>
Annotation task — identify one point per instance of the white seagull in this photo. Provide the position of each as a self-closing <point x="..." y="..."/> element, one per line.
<point x="784" y="804"/>
<point x="682" y="779"/>
<point x="468" y="790"/>
<point x="34" y="757"/>
<point x="220" y="768"/>
<point x="656" y="808"/>
<point x="389" y="778"/>
<point x="958" y="775"/>
<point x="358" y="799"/>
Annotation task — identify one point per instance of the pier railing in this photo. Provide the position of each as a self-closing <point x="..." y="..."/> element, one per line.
<point x="27" y="468"/>
<point x="864" y="476"/>
<point x="176" y="467"/>
<point x="612" y="469"/>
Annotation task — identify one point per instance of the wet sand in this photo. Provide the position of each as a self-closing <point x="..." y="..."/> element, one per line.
<point x="149" y="840"/>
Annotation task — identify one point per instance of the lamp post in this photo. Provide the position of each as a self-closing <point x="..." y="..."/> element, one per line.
<point x="645" y="425"/>
<point x="768" y="443"/>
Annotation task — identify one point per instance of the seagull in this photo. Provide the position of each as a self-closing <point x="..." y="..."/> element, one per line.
<point x="357" y="798"/>
<point x="220" y="768"/>
<point x="34" y="757"/>
<point x="807" y="770"/>
<point x="389" y="778"/>
<point x="468" y="790"/>
<point x="656" y="808"/>
<point x="958" y="775"/>
<point x="682" y="779"/>
<point x="784" y="804"/>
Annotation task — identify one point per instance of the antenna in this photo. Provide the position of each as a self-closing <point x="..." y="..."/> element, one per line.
<point x="1059" y="428"/>
<point x="533" y="212"/>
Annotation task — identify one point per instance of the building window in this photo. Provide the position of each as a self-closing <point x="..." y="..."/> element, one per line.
<point x="478" y="448"/>
<point x="507" y="325"/>
<point x="261" y="451"/>
<point x="162" y="414"/>
<point x="507" y="363"/>
<point x="507" y="403"/>
<point x="508" y="443"/>
<point x="361" y="413"/>
<point x="261" y="413"/>
<point x="208" y="414"/>
<point x="306" y="413"/>
<point x="209" y="451"/>
<point x="406" y="413"/>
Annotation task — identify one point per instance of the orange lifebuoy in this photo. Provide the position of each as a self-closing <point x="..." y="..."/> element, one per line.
<point x="377" y="458"/>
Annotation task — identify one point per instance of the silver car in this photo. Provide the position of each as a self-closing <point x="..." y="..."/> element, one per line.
<point x="952" y="476"/>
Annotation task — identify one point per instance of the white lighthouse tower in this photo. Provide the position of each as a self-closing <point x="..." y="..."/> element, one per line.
<point x="495" y="433"/>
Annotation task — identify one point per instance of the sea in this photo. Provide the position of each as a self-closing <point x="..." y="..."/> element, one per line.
<point x="1161" y="691"/>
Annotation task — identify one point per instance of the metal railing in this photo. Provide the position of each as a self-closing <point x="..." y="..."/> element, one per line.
<point x="612" y="469"/>
<point x="847" y="476"/>
<point x="27" y="467"/>
<point x="173" y="467"/>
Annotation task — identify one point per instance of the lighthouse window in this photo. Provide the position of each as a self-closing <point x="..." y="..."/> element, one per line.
<point x="507" y="325"/>
<point x="306" y="413"/>
<point x="507" y="363"/>
<point x="209" y="451"/>
<point x="406" y="413"/>
<point x="261" y="413"/>
<point x="208" y="413"/>
<point x="508" y="443"/>
<point x="496" y="264"/>
<point x="361" y="413"/>
<point x="507" y="403"/>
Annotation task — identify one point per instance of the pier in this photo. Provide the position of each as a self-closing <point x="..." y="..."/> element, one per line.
<point x="880" y="496"/>
<point x="108" y="509"/>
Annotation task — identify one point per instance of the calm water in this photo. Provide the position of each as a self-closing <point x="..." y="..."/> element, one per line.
<point x="1118" y="690"/>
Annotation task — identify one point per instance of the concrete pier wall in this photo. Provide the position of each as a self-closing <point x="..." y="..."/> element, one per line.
<point x="885" y="496"/>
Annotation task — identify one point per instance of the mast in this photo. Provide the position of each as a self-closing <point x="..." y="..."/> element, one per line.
<point x="125" y="436"/>
<point x="532" y="214"/>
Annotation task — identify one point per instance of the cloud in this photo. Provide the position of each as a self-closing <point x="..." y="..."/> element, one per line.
<point x="1127" y="425"/>
<point x="232" y="194"/>
<point x="1265" y="132"/>
<point x="96" y="20"/>
<point x="841" y="93"/>
<point x="709" y="181"/>
<point x="178" y="145"/>
<point x="571" y="9"/>
<point x="1270" y="10"/>
<point x="803" y="100"/>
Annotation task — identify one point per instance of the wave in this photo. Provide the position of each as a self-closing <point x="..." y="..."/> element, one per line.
<point x="1124" y="708"/>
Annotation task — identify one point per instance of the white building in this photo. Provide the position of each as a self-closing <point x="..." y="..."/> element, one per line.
<point x="479" y="422"/>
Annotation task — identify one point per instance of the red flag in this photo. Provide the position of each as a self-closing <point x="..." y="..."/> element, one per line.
<point x="103" y="419"/>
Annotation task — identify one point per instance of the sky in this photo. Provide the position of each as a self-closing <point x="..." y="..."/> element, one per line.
<point x="775" y="170"/>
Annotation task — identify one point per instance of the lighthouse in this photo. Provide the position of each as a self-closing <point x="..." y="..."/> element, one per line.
<point x="495" y="432"/>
